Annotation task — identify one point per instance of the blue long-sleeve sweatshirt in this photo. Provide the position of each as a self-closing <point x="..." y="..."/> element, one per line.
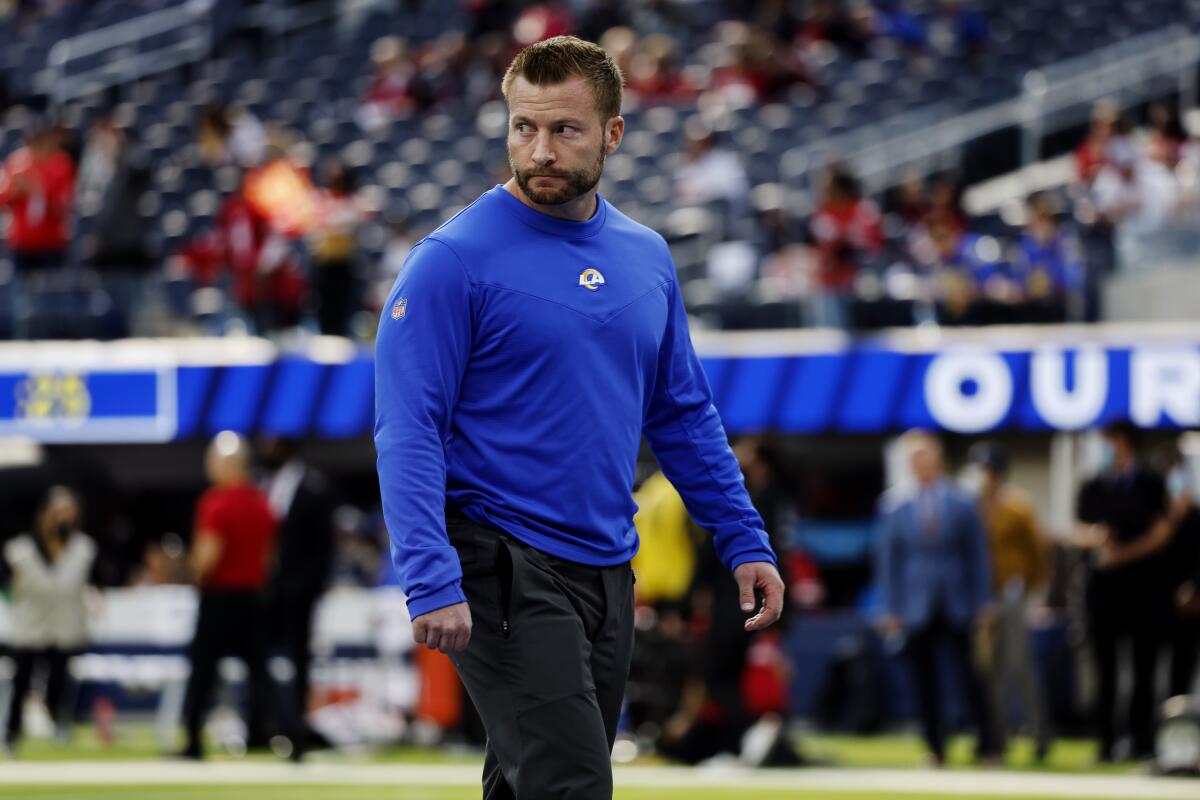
<point x="520" y="359"/>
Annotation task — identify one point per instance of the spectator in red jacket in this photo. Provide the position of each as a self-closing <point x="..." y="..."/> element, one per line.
<point x="847" y="230"/>
<point x="37" y="188"/>
<point x="265" y="281"/>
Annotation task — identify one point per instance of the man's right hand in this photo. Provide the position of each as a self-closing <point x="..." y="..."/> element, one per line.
<point x="889" y="626"/>
<point x="447" y="629"/>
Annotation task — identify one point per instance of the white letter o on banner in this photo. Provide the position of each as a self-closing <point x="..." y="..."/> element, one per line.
<point x="958" y="411"/>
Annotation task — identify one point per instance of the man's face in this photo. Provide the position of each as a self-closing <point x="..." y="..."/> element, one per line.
<point x="557" y="142"/>
<point x="926" y="461"/>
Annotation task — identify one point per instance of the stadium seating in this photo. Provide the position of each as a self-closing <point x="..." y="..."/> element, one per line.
<point x="312" y="80"/>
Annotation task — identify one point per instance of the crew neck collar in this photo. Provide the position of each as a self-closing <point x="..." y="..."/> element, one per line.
<point x="568" y="229"/>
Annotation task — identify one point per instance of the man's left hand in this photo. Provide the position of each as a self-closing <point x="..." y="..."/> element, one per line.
<point x="763" y="576"/>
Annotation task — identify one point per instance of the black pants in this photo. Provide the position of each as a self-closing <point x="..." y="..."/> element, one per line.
<point x="228" y="624"/>
<point x="1108" y="635"/>
<point x="57" y="687"/>
<point x="546" y="666"/>
<point x="923" y="650"/>
<point x="287" y="631"/>
<point x="1185" y="649"/>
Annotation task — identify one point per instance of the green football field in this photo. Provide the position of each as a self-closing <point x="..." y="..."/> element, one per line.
<point x="288" y="792"/>
<point x="853" y="768"/>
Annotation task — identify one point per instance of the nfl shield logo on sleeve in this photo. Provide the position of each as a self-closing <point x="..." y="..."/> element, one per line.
<point x="399" y="308"/>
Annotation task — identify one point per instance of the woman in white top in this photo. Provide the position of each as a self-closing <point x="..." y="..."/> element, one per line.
<point x="50" y="570"/>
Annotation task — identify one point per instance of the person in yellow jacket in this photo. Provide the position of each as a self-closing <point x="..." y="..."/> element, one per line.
<point x="666" y="561"/>
<point x="1019" y="558"/>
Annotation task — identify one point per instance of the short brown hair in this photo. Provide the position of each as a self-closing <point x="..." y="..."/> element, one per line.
<point x="561" y="57"/>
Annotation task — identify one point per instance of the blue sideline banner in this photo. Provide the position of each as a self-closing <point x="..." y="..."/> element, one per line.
<point x="88" y="392"/>
<point x="797" y="382"/>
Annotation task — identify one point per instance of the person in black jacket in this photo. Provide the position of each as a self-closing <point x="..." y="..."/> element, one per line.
<point x="1181" y="559"/>
<point x="1123" y="518"/>
<point x="302" y="501"/>
<point x="114" y="174"/>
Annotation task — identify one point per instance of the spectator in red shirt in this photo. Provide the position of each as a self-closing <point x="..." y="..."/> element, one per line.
<point x="37" y="186"/>
<point x="1090" y="156"/>
<point x="246" y="249"/>
<point x="847" y="230"/>
<point x="233" y="540"/>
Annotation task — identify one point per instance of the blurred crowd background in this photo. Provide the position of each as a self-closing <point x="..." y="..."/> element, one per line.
<point x="263" y="167"/>
<point x="240" y="168"/>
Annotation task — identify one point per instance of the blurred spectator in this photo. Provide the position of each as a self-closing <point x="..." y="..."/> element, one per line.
<point x="751" y="69"/>
<point x="894" y="21"/>
<point x="48" y="621"/>
<point x="848" y="232"/>
<point x="970" y="29"/>
<point x="1136" y="195"/>
<point x="302" y="502"/>
<point x="1122" y="516"/>
<point x="666" y="559"/>
<point x="971" y="284"/>
<point x="37" y="189"/>
<point x="442" y="68"/>
<point x="333" y="245"/>
<point x="827" y="21"/>
<point x="945" y="203"/>
<point x="907" y="203"/>
<point x="730" y="703"/>
<point x="711" y="172"/>
<point x="935" y="581"/>
<point x="231" y="135"/>
<point x="163" y="563"/>
<point x="541" y="21"/>
<point x="1048" y="265"/>
<point x="359" y="550"/>
<point x="1165" y="136"/>
<point x="1019" y="570"/>
<point x="114" y="173"/>
<point x="246" y="251"/>
<point x="1182" y="560"/>
<point x="398" y="241"/>
<point x="654" y="76"/>
<point x="1092" y="154"/>
<point x="231" y="549"/>
<point x="395" y="89"/>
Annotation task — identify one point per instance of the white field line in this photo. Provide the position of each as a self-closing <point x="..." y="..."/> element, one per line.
<point x="924" y="782"/>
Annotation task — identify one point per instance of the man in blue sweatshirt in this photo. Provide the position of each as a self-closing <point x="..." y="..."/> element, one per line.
<point x="527" y="346"/>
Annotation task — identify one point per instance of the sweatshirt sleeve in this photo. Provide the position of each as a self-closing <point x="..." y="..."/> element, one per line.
<point x="421" y="351"/>
<point x="687" y="438"/>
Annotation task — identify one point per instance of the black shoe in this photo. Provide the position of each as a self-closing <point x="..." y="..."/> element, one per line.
<point x="188" y="753"/>
<point x="782" y="754"/>
<point x="315" y="740"/>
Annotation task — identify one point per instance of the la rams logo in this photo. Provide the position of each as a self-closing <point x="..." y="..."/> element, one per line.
<point x="591" y="279"/>
<point x="400" y="308"/>
<point x="53" y="397"/>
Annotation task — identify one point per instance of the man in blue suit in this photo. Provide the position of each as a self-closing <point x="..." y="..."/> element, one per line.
<point x="935" y="582"/>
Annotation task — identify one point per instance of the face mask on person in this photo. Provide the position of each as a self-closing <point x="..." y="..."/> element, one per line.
<point x="1179" y="483"/>
<point x="972" y="479"/>
<point x="1106" y="456"/>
